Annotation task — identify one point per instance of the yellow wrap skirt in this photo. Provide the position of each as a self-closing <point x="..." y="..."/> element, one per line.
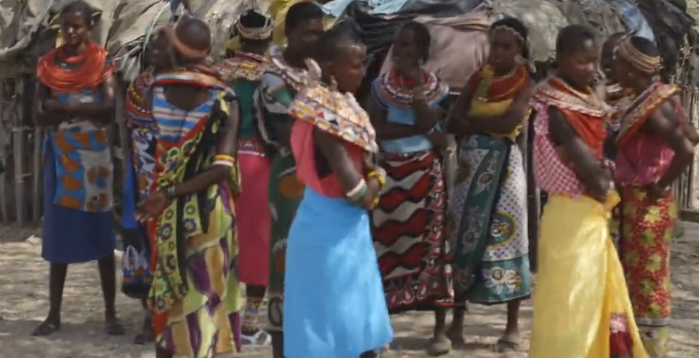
<point x="581" y="303"/>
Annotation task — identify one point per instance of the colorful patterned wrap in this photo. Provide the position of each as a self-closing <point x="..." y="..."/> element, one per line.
<point x="581" y="303"/>
<point x="195" y="292"/>
<point x="553" y="174"/>
<point x="136" y="274"/>
<point x="409" y="223"/>
<point x="646" y="228"/>
<point x="84" y="168"/>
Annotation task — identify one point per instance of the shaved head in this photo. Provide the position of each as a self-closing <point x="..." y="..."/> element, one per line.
<point x="193" y="33"/>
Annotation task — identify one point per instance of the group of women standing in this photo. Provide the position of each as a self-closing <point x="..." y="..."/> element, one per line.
<point x="360" y="223"/>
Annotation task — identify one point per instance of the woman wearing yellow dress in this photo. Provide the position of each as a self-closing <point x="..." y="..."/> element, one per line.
<point x="581" y="306"/>
<point x="488" y="208"/>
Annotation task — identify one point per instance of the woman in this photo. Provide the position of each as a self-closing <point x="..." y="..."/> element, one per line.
<point x="137" y="277"/>
<point x="488" y="209"/>
<point x="581" y="304"/>
<point x="652" y="152"/>
<point x="285" y="76"/>
<point x="195" y="295"/>
<point x="334" y="303"/>
<point x="75" y="100"/>
<point x="409" y="225"/>
<point x="243" y="72"/>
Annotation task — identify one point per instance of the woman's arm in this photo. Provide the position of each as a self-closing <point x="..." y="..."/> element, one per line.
<point x="102" y="111"/>
<point x="425" y="117"/>
<point x="217" y="173"/>
<point x="41" y="115"/>
<point x="597" y="179"/>
<point x="508" y="121"/>
<point x="341" y="164"/>
<point x="280" y="122"/>
<point x="456" y="118"/>
<point x="662" y="122"/>
<point x="386" y="130"/>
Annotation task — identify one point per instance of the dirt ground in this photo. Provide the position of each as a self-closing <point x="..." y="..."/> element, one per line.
<point x="23" y="303"/>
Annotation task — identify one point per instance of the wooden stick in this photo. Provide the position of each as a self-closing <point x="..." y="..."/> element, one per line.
<point x="18" y="151"/>
<point x="3" y="156"/>
<point x="37" y="186"/>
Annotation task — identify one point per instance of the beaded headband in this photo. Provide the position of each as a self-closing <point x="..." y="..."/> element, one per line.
<point x="525" y="41"/>
<point x="255" y="33"/>
<point x="637" y="59"/>
<point x="509" y="29"/>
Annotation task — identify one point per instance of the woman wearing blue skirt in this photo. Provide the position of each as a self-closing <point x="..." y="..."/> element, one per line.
<point x="334" y="302"/>
<point x="75" y="103"/>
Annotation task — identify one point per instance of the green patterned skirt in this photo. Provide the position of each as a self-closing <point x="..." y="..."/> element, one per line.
<point x="285" y="193"/>
<point x="487" y="215"/>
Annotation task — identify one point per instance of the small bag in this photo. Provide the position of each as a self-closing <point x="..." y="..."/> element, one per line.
<point x="136" y="274"/>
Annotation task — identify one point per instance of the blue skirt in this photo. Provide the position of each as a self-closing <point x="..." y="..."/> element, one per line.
<point x="334" y="304"/>
<point x="70" y="235"/>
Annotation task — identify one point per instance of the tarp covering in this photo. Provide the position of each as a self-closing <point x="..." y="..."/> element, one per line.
<point x="459" y="46"/>
<point x="28" y="32"/>
<point x="543" y="19"/>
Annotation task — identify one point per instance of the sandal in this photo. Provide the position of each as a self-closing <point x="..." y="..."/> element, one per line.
<point x="46" y="328"/>
<point x="114" y="327"/>
<point x="439" y="346"/>
<point x="505" y="344"/>
<point x="259" y="339"/>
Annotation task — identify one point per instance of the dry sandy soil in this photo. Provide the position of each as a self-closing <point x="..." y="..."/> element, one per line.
<point x="23" y="292"/>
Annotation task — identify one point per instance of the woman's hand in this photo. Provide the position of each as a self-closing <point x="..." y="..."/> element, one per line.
<point x="655" y="192"/>
<point x="439" y="139"/>
<point x="373" y="188"/>
<point x="411" y="71"/>
<point x="151" y="207"/>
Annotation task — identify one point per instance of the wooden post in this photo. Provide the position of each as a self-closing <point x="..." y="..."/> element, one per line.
<point x="3" y="156"/>
<point x="37" y="182"/>
<point x="18" y="150"/>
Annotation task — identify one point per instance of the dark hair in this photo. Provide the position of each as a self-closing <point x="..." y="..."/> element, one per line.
<point x="645" y="46"/>
<point x="421" y="36"/>
<point x="518" y="27"/>
<point x="572" y="39"/>
<point x="252" y="19"/>
<point x="611" y="42"/>
<point x="300" y="13"/>
<point x="332" y="41"/>
<point x="82" y="8"/>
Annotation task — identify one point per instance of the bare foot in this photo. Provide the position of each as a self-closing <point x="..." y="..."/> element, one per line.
<point x="48" y="327"/>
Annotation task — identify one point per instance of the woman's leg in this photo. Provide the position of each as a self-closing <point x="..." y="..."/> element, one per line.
<point x="456" y="331"/>
<point x="160" y="352"/>
<point x="146" y="335"/>
<point x="440" y="343"/>
<point x="107" y="269"/>
<point x="277" y="344"/>
<point x="57" y="280"/>
<point x="510" y="338"/>
<point x="252" y="333"/>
